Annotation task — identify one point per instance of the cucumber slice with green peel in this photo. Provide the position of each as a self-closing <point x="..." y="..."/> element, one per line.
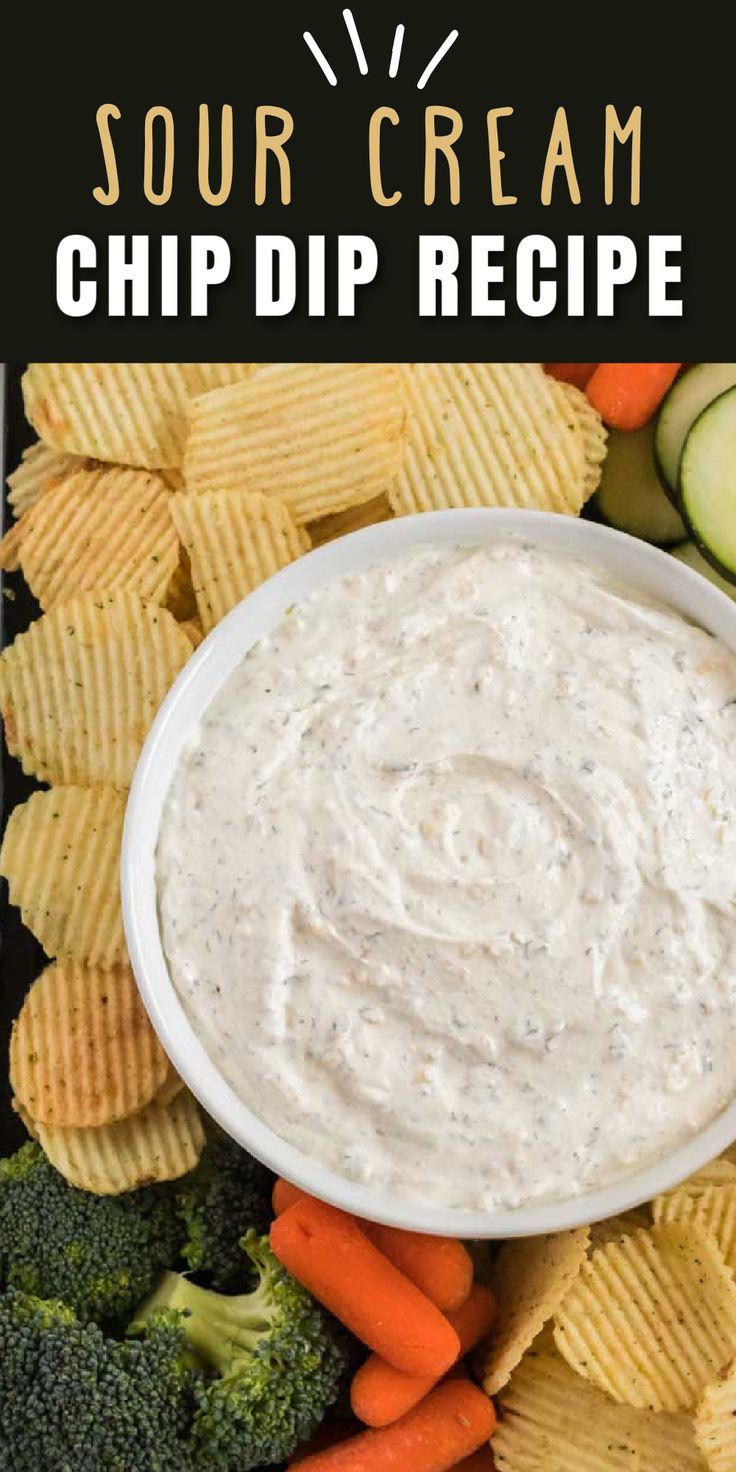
<point x="689" y="554"/>
<point x="630" y="496"/>
<point x="708" y="483"/>
<point x="690" y="394"/>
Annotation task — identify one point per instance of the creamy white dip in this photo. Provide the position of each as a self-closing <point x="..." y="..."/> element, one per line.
<point x="447" y="877"/>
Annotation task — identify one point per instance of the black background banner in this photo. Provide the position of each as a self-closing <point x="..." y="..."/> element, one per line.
<point x="61" y="66"/>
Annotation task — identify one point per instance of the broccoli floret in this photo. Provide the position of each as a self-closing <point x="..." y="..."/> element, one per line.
<point x="227" y="1193"/>
<point x="73" y="1400"/>
<point x="100" y="1254"/>
<point x="276" y="1361"/>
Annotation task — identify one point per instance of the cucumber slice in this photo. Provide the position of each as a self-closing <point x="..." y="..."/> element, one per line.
<point x="690" y="394"/>
<point x="708" y="483"/>
<point x="689" y="554"/>
<point x="630" y="496"/>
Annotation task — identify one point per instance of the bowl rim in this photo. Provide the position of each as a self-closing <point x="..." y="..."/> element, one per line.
<point x="645" y="568"/>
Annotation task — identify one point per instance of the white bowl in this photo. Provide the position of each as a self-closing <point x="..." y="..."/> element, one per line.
<point x="641" y="566"/>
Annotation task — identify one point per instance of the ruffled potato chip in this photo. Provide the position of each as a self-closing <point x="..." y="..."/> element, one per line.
<point x="612" y="1228"/>
<point x="319" y="436"/>
<point x="488" y="434"/>
<point x="61" y="858"/>
<point x="651" y="1319"/>
<point x="592" y="428"/>
<point x="83" y="1052"/>
<point x="551" y="1420"/>
<point x="133" y="413"/>
<point x="715" y="1422"/>
<point x="40" y="468"/>
<point x="712" y="1211"/>
<point x="193" y="630"/>
<point x="162" y="1143"/>
<point x="234" y="542"/>
<point x="720" y="1172"/>
<point x="79" y="689"/>
<point x="100" y="530"/>
<point x="530" y="1278"/>
<point x="170" y="1088"/>
<point x="10" y="545"/>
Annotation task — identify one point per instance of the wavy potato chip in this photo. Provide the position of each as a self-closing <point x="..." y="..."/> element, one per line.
<point x="551" y="1420"/>
<point x="319" y="436"/>
<point x="488" y="434"/>
<point x="133" y="413"/>
<point x="83" y="1052"/>
<point x="351" y="520"/>
<point x="193" y="630"/>
<point x="715" y="1422"/>
<point x="10" y="545"/>
<point x="41" y="467"/>
<point x="652" y="1318"/>
<point x="61" y="858"/>
<point x="170" y="1088"/>
<point x="234" y="541"/>
<point x="592" y="428"/>
<point x="100" y="530"/>
<point x="79" y="689"/>
<point x="720" y="1172"/>
<point x="161" y="1143"/>
<point x="711" y="1211"/>
<point x="530" y="1278"/>
<point x="614" y="1227"/>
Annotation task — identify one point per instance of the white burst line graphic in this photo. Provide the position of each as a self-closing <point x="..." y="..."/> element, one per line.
<point x="436" y="59"/>
<point x="352" y="31"/>
<point x="360" y="55"/>
<point x="396" y="51"/>
<point x="320" y="58"/>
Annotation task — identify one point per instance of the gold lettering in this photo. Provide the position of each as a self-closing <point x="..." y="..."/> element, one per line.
<point x="111" y="193"/>
<point x="559" y="156"/>
<point x="381" y="115"/>
<point x="273" y="143"/>
<point x="209" y="195"/>
<point x="617" y="132"/>
<point x="496" y="155"/>
<point x="162" y="195"/>
<point x="435" y="143"/>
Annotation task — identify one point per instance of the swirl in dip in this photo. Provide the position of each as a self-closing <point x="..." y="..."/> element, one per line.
<point x="447" y="877"/>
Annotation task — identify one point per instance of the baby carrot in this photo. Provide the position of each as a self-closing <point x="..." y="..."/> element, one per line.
<point x="440" y="1266"/>
<point x="380" y="1394"/>
<point x="627" y="394"/>
<point x="284" y="1195"/>
<point x="474" y="1318"/>
<point x="577" y="373"/>
<point x="326" y="1251"/>
<point x="453" y="1421"/>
